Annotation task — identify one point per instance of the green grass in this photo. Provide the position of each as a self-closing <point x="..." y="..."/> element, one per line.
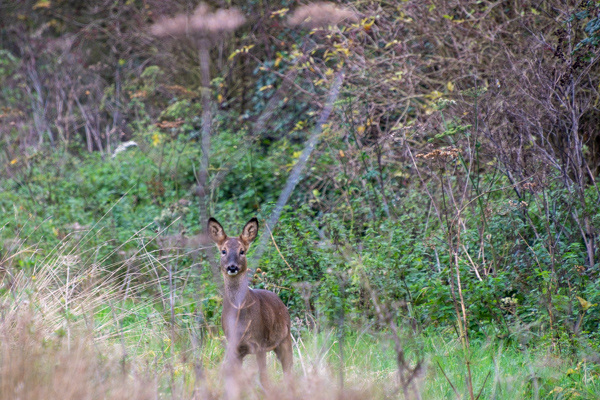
<point x="66" y="301"/>
<point x="499" y="370"/>
<point x="116" y="301"/>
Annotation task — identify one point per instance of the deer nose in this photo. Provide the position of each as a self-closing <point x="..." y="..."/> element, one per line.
<point x="232" y="270"/>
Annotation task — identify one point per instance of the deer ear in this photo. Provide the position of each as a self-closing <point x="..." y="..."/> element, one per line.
<point x="250" y="231"/>
<point x="216" y="231"/>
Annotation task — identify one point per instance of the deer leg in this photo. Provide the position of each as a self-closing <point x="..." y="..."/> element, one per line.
<point x="234" y="358"/>
<point x="242" y="351"/>
<point x="285" y="355"/>
<point x="261" y="360"/>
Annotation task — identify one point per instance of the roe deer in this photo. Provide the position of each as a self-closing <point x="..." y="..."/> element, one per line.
<point x="255" y="321"/>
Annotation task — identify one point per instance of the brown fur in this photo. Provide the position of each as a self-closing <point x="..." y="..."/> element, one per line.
<point x="254" y="321"/>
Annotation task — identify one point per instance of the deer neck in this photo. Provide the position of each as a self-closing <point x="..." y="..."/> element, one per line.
<point x="236" y="289"/>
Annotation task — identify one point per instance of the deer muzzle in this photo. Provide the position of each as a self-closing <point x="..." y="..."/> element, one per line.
<point x="233" y="270"/>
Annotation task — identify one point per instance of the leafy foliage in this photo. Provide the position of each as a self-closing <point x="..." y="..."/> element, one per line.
<point x="453" y="189"/>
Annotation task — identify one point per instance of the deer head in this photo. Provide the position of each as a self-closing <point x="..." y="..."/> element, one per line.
<point x="233" y="249"/>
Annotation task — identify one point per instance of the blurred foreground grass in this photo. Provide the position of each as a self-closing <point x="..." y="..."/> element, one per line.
<point x="71" y="330"/>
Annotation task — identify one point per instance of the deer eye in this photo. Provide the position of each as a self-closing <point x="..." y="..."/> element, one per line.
<point x="242" y="252"/>
<point x="223" y="252"/>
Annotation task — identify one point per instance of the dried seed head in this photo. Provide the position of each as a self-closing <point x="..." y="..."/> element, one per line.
<point x="201" y="22"/>
<point x="170" y="124"/>
<point x="531" y="186"/>
<point x="446" y="154"/>
<point x="176" y="26"/>
<point x="321" y="14"/>
<point x="221" y="21"/>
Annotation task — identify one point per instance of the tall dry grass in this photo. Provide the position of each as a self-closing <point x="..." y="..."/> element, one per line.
<point x="34" y="365"/>
<point x="73" y="328"/>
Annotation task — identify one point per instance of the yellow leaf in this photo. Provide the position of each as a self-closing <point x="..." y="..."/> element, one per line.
<point x="397" y="76"/>
<point x="450" y="86"/>
<point x="360" y="129"/>
<point x="434" y="95"/>
<point x="262" y="89"/>
<point x="14" y="161"/>
<point x="339" y="48"/>
<point x="584" y="303"/>
<point x="342" y="154"/>
<point x="244" y="49"/>
<point x="155" y="139"/>
<point x="280" y="12"/>
<point x="220" y="98"/>
<point x="557" y="389"/>
<point x="367" y="25"/>
<point x="42" y="4"/>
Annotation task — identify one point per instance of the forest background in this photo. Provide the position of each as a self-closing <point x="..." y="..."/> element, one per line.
<point x="424" y="173"/>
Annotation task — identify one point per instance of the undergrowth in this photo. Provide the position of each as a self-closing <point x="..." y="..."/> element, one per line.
<point x="71" y="329"/>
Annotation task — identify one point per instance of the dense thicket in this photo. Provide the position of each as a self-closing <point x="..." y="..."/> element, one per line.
<point x="453" y="185"/>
